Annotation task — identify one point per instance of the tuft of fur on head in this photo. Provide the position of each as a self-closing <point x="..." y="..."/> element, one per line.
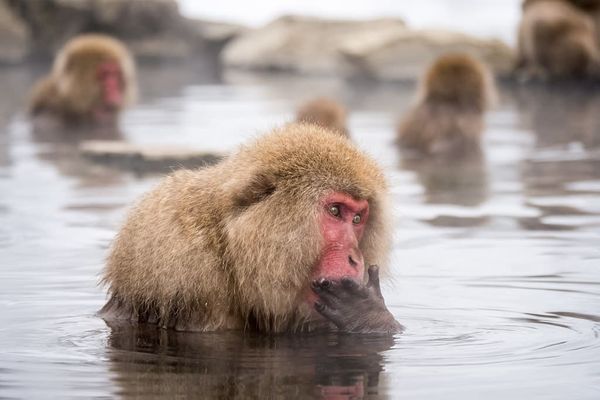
<point x="324" y="112"/>
<point x="237" y="242"/>
<point x="72" y="87"/>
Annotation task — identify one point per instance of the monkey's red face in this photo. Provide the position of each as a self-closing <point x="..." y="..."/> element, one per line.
<point x="111" y="84"/>
<point x="342" y="221"/>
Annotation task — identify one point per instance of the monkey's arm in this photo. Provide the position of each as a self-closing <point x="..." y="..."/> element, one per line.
<point x="353" y="307"/>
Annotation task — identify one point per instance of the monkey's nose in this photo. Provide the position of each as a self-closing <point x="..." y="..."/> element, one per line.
<point x="352" y="262"/>
<point x="355" y="259"/>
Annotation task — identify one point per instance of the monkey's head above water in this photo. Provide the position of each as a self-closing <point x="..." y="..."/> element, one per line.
<point x="460" y="80"/>
<point x="92" y="78"/>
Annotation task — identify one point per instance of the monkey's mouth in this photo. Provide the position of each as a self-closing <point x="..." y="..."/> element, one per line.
<point x="105" y="114"/>
<point x="113" y="101"/>
<point x="110" y="106"/>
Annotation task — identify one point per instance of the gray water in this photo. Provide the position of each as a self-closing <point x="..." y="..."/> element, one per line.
<point x="495" y="269"/>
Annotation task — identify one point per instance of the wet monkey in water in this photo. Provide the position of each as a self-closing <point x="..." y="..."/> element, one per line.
<point x="275" y="238"/>
<point x="324" y="112"/>
<point x="448" y="115"/>
<point x="91" y="81"/>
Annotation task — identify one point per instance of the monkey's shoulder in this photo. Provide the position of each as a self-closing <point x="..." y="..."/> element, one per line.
<point x="190" y="193"/>
<point x="43" y="97"/>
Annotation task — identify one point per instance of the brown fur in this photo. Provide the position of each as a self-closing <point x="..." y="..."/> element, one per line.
<point x="591" y="9"/>
<point x="71" y="90"/>
<point x="448" y="116"/>
<point x="324" y="112"/>
<point x="232" y="246"/>
<point x="587" y="5"/>
<point x="557" y="40"/>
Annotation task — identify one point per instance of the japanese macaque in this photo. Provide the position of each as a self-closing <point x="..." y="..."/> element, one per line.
<point x="92" y="80"/>
<point x="448" y="117"/>
<point x="274" y="238"/>
<point x="557" y="40"/>
<point x="324" y="112"/>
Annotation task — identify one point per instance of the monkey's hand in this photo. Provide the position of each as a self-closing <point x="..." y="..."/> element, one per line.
<point x="353" y="307"/>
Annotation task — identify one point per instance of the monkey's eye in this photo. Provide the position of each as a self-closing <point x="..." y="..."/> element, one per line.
<point x="334" y="210"/>
<point x="356" y="219"/>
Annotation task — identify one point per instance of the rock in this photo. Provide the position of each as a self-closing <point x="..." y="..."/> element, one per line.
<point x="52" y="22"/>
<point x="14" y="37"/>
<point x="403" y="55"/>
<point x="300" y="44"/>
<point x="145" y="159"/>
<point x="382" y="49"/>
<point x="216" y="34"/>
<point x="152" y="29"/>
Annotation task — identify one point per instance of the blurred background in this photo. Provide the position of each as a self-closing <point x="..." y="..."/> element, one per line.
<point x="495" y="269"/>
<point x="486" y="18"/>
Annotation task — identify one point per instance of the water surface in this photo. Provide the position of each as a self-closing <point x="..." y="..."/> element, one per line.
<point x="495" y="269"/>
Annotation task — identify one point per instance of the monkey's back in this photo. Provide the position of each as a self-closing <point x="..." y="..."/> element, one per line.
<point x="559" y="38"/>
<point x="44" y="97"/>
<point x="163" y="259"/>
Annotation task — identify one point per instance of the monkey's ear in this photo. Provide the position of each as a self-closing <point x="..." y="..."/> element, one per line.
<point x="259" y="187"/>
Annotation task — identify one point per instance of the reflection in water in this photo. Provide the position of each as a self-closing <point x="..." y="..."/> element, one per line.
<point x="14" y="86"/>
<point x="561" y="114"/>
<point x="59" y="146"/>
<point x="564" y="119"/>
<point x="151" y="362"/>
<point x="48" y="129"/>
<point x="453" y="179"/>
<point x="460" y="181"/>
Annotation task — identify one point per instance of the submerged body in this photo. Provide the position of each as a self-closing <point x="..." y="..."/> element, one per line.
<point x="269" y="239"/>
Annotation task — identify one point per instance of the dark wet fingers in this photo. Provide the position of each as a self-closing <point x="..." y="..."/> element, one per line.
<point x="341" y="288"/>
<point x="329" y="313"/>
<point x="354" y="288"/>
<point x="373" y="272"/>
<point x="327" y="291"/>
<point x="321" y="285"/>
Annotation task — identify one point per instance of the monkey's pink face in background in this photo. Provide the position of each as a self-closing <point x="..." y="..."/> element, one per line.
<point x="111" y="83"/>
<point x="342" y="221"/>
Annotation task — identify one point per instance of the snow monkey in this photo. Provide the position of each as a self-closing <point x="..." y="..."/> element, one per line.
<point x="448" y="117"/>
<point x="91" y="81"/>
<point x="278" y="237"/>
<point x="557" y="40"/>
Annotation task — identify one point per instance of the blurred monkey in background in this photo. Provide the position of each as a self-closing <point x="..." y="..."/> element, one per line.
<point x="91" y="81"/>
<point x="448" y="117"/>
<point x="557" y="40"/>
